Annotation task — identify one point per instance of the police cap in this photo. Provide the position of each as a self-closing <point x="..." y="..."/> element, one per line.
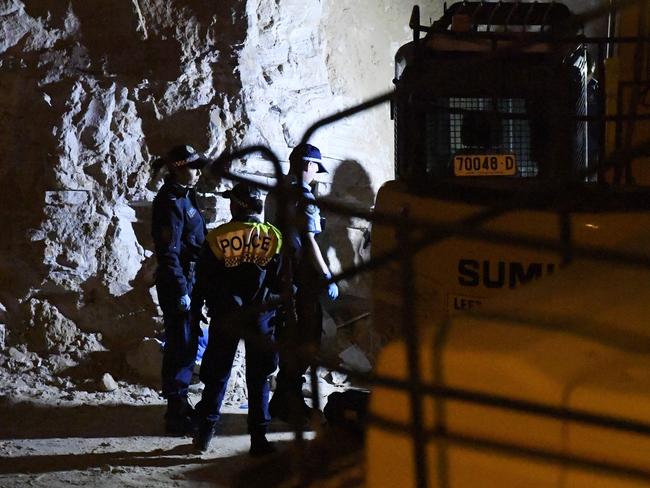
<point x="303" y="153"/>
<point x="246" y="196"/>
<point x="185" y="155"/>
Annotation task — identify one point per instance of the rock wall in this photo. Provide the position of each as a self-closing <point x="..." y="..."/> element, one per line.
<point x="92" y="91"/>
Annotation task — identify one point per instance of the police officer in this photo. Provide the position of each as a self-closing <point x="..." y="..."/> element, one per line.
<point x="239" y="269"/>
<point x="310" y="270"/>
<point x="178" y="232"/>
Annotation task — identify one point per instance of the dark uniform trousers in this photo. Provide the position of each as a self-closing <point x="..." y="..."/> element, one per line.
<point x="307" y="335"/>
<point x="181" y="342"/>
<point x="261" y="361"/>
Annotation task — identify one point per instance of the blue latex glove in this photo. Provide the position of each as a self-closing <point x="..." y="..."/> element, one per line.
<point x="332" y="288"/>
<point x="184" y="303"/>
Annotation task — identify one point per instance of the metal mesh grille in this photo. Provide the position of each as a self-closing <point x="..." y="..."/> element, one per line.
<point x="504" y="122"/>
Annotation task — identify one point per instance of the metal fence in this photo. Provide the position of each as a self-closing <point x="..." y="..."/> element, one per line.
<point x="416" y="234"/>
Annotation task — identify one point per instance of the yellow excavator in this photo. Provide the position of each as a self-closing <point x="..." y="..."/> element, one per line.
<point x="519" y="301"/>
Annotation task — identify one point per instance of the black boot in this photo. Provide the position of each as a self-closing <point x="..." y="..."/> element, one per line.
<point x="289" y="409"/>
<point x="178" y="417"/>
<point x="277" y="406"/>
<point x="260" y="446"/>
<point x="204" y="435"/>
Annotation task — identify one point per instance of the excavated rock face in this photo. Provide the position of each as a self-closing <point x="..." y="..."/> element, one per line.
<point x="92" y="91"/>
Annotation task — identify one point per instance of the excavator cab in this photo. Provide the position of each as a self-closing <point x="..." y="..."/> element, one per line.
<point x="493" y="90"/>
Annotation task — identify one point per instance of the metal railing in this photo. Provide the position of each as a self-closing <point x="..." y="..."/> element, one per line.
<point x="417" y="233"/>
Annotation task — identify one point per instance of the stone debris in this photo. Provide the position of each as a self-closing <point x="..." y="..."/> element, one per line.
<point x="63" y="383"/>
<point x="48" y="329"/>
<point x="146" y="360"/>
<point x="89" y="342"/>
<point x="107" y="383"/>
<point x="236" y="393"/>
<point x="21" y="360"/>
<point x="36" y="385"/>
<point x="328" y="383"/>
<point x="3" y="336"/>
<point x="337" y="378"/>
<point x="18" y="356"/>
<point x="58" y="363"/>
<point x="354" y="359"/>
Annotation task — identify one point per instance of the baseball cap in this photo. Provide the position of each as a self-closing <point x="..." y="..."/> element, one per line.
<point x="302" y="153"/>
<point x="246" y="195"/>
<point x="185" y="155"/>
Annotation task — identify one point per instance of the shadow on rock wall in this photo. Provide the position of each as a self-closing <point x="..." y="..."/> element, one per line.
<point x="26" y="122"/>
<point x="119" y="42"/>
<point x="347" y="239"/>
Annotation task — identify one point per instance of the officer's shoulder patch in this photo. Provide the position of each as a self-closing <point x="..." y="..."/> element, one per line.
<point x="311" y="208"/>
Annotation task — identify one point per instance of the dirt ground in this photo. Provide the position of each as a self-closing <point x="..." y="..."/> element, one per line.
<point x="60" y="436"/>
<point x="63" y="423"/>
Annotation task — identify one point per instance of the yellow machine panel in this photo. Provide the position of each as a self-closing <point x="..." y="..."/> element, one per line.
<point x="527" y="360"/>
<point x="459" y="274"/>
